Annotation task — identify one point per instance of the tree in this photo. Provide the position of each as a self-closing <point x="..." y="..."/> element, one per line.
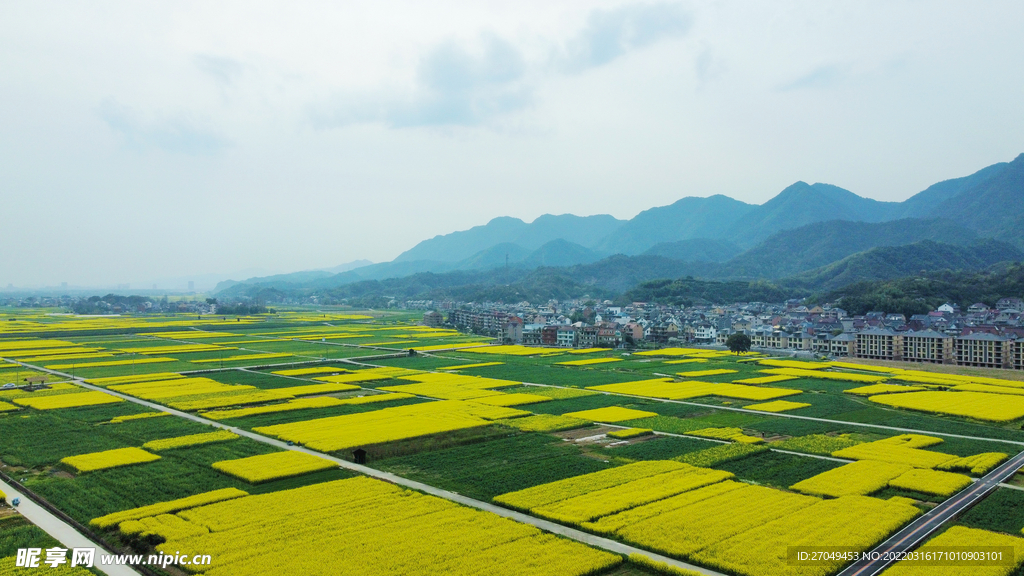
<point x="738" y="342"/>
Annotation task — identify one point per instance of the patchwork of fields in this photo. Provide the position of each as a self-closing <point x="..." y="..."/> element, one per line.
<point x="695" y="457"/>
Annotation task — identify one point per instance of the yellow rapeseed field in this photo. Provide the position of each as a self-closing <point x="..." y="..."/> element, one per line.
<point x="111" y="380"/>
<point x="610" y="414"/>
<point x="169" y="507"/>
<point x="660" y="567"/>
<point x="389" y="424"/>
<point x="265" y="356"/>
<point x="801" y="373"/>
<point x="977" y="464"/>
<point x="862" y="477"/>
<point x="899" y="450"/>
<point x="764" y="380"/>
<point x="777" y="406"/>
<point x="207" y="401"/>
<point x="307" y="371"/>
<point x="302" y="404"/>
<point x="547" y="494"/>
<point x="666" y="388"/>
<point x="143" y="416"/>
<point x="795" y="364"/>
<point x="597" y="503"/>
<point x="458" y="380"/>
<point x="649" y="513"/>
<point x="191" y="440"/>
<point x="545" y="423"/>
<point x="733" y="434"/>
<point x="273" y="466"/>
<point x="368" y="375"/>
<point x="696" y="352"/>
<point x="989" y="389"/>
<point x="882" y="389"/>
<point x="706" y="522"/>
<point x="168" y="526"/>
<point x="992" y="407"/>
<point x="177" y="349"/>
<point x="931" y="482"/>
<point x="5" y="407"/>
<point x="361" y="526"/>
<point x="911" y="440"/>
<point x="477" y="365"/>
<point x="512" y="350"/>
<point x="699" y="373"/>
<point x="110" y="363"/>
<point x="93" y="398"/>
<point x="630" y="433"/>
<point x="865" y="367"/>
<point x="109" y="459"/>
<point x="325" y="388"/>
<point x="589" y="361"/>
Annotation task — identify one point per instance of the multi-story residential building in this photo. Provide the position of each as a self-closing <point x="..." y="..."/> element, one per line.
<point x="566" y="336"/>
<point x="820" y="342"/>
<point x="984" y="350"/>
<point x="513" y="330"/>
<point x="586" y="336"/>
<point x="879" y="344"/>
<point x="800" y="341"/>
<point x="705" y="333"/>
<point x="532" y="334"/>
<point x="842" y="345"/>
<point x="549" y="336"/>
<point x="1017" y="355"/>
<point x="487" y="322"/>
<point x="433" y="318"/>
<point x="633" y="330"/>
<point x="928" y="346"/>
<point x="661" y="332"/>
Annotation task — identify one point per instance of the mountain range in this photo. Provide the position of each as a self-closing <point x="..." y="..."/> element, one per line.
<point x="815" y="236"/>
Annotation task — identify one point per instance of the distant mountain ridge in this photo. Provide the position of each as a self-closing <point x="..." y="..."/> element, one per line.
<point x="804" y="227"/>
<point x="583" y="230"/>
<point x="722" y="218"/>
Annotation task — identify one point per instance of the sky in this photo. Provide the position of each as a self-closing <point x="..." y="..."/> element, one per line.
<point x="148" y="142"/>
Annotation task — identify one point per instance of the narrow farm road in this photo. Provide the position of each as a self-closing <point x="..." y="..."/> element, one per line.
<point x="61" y="531"/>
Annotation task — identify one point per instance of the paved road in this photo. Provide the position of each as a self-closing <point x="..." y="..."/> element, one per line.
<point x="578" y="535"/>
<point x="61" y="531"/>
<point x="915" y="532"/>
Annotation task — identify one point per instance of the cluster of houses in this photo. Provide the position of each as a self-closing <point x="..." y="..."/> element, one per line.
<point x="981" y="335"/>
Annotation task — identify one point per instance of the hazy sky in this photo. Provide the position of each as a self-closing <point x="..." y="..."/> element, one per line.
<point x="145" y="140"/>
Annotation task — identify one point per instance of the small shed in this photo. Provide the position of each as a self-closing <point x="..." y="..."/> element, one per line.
<point x="359" y="456"/>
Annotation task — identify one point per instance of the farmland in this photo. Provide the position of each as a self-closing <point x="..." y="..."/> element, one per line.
<point x="645" y="449"/>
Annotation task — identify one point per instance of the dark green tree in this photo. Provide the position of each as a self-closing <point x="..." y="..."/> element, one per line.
<point x="738" y="342"/>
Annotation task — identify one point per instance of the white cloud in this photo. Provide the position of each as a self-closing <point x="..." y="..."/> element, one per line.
<point x="146" y="140"/>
